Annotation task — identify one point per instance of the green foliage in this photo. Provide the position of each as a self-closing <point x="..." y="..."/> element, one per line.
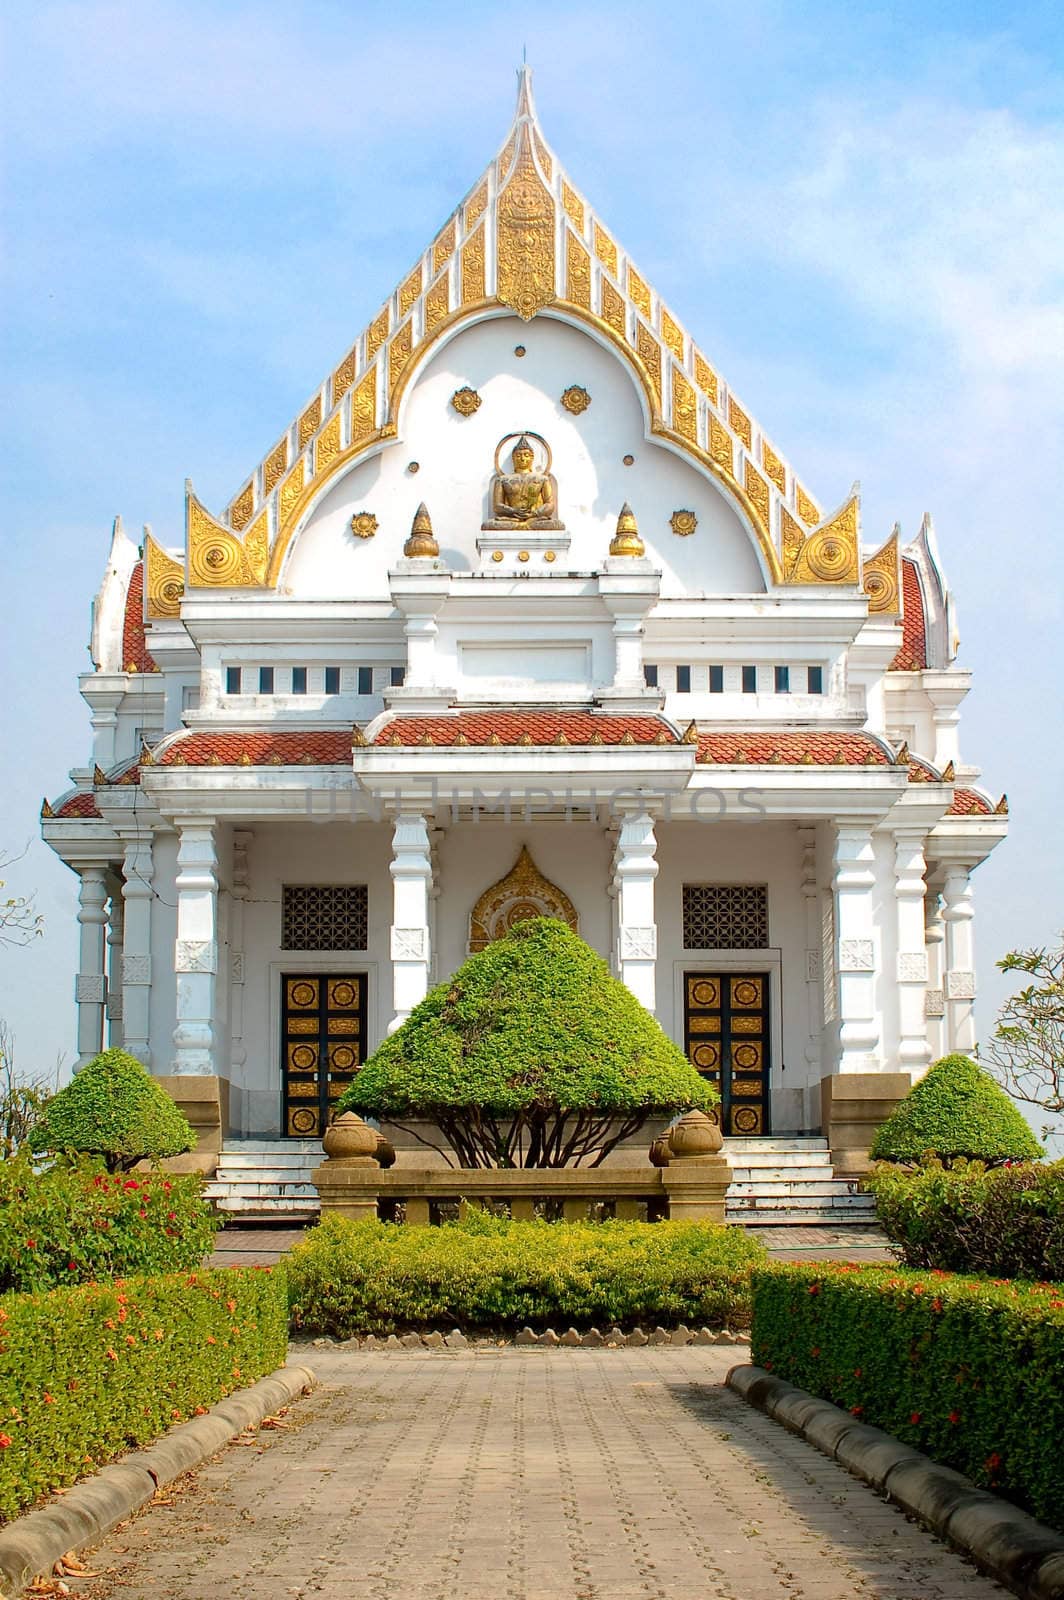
<point x="961" y="1368"/>
<point x="1026" y="1050"/>
<point x="1007" y="1222"/>
<point x="71" y="1224"/>
<point x="350" y="1278"/>
<point x="528" y="1056"/>
<point x="956" y="1110"/>
<point x="87" y="1372"/>
<point x="113" y="1109"/>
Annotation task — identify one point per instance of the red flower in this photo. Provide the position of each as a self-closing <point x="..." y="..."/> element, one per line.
<point x="936" y="1304"/>
<point x="918" y="1288"/>
<point x="72" y="1266"/>
<point x="171" y="1216"/>
<point x="112" y="1355"/>
<point x="31" y="1244"/>
<point x="992" y="1462"/>
<point x="167" y="1188"/>
<point x="815" y="1351"/>
<point x="5" y="1440"/>
<point x="230" y="1305"/>
<point x="954" y="1417"/>
<point x="131" y="1183"/>
<point x="814" y="1288"/>
<point x="914" y="1416"/>
<point x="143" y="1212"/>
<point x="49" y="1399"/>
<point x="855" y="1411"/>
<point x="857" y="1372"/>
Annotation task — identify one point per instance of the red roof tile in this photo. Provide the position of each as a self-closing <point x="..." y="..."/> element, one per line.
<point x="315" y="747"/>
<point x="764" y="747"/>
<point x="969" y="803"/>
<point x="921" y="771"/>
<point x="81" y="804"/>
<point x="135" y="652"/>
<point x="526" y="727"/>
<point x="912" y="654"/>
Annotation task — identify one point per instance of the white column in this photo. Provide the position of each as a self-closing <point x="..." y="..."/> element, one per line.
<point x="90" y="985"/>
<point x="136" y="947"/>
<point x="957" y="914"/>
<point x="935" y="993"/>
<point x="814" y="1004"/>
<point x="634" y="870"/>
<point x="115" y="916"/>
<point x="411" y="870"/>
<point x="241" y="887"/>
<point x="196" y="946"/>
<point x="914" y="1052"/>
<point x="855" y="949"/>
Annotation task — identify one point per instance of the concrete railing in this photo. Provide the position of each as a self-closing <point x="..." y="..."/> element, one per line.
<point x="686" y="1178"/>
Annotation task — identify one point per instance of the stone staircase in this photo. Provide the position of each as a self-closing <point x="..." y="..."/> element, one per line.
<point x="775" y="1182"/>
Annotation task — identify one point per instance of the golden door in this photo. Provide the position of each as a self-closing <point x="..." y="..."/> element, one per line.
<point x="726" y="1037"/>
<point x="323" y="1044"/>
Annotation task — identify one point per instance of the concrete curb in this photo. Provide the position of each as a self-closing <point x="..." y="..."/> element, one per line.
<point x="34" y="1542"/>
<point x="1004" y="1541"/>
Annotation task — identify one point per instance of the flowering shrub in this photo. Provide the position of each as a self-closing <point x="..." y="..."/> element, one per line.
<point x="371" y="1277"/>
<point x="87" y="1372"/>
<point x="69" y="1224"/>
<point x="1006" y="1221"/>
<point x="965" y="1369"/>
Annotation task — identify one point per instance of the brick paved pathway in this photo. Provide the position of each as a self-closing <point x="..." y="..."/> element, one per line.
<point x="527" y="1475"/>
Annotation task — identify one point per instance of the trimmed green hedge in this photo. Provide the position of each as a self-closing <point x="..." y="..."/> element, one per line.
<point x="956" y="1110"/>
<point x="966" y="1369"/>
<point x="1005" y="1221"/>
<point x="114" y="1109"/>
<point x="87" y="1372"/>
<point x="350" y="1278"/>
<point x="76" y="1224"/>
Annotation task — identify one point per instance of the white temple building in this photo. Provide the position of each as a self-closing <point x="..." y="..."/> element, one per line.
<point x="523" y="612"/>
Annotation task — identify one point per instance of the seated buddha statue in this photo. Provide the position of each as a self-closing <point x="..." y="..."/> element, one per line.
<point x="523" y="498"/>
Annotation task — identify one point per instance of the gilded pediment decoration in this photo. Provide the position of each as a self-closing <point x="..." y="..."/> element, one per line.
<point x="523" y="893"/>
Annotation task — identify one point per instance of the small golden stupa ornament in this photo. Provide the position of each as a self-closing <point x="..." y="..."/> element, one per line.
<point x="626" y="541"/>
<point x="422" y="540"/>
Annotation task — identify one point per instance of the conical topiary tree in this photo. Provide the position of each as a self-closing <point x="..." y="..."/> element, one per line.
<point x="531" y="1055"/>
<point x="114" y="1109"/>
<point x="956" y="1110"/>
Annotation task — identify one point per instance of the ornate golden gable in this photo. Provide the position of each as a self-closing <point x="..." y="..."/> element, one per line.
<point x="523" y="893"/>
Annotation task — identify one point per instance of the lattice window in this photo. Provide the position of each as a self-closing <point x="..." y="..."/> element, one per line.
<point x="725" y="916"/>
<point x="331" y="917"/>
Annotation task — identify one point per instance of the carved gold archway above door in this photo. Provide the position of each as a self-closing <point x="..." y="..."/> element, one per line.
<point x="523" y="893"/>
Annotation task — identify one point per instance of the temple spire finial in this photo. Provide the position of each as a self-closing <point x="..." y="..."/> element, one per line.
<point x="526" y="106"/>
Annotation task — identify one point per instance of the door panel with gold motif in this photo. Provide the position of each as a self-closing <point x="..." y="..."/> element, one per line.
<point x="322" y="1046"/>
<point x="726" y="1037"/>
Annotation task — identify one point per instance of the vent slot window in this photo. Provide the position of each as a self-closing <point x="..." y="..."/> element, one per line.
<point x="716" y="680"/>
<point x="783" y="680"/>
<point x="749" y="680"/>
<point x="265" y="680"/>
<point x="650" y="675"/>
<point x="397" y="677"/>
<point x="332" y="680"/>
<point x="365" y="680"/>
<point x="815" y="680"/>
<point x="683" y="680"/>
<point x="232" y="680"/>
<point x="299" y="680"/>
<point x="725" y="916"/>
<point x="328" y="917"/>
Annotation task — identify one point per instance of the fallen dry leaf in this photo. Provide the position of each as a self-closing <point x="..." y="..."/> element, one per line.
<point x="69" y="1566"/>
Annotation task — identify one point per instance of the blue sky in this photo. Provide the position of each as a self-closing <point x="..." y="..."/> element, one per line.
<point x="858" y="209"/>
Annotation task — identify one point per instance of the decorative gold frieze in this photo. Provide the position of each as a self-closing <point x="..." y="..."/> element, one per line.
<point x="466" y="401"/>
<point x="671" y="333"/>
<point x="613" y="309"/>
<point x="577" y="272"/>
<point x="443" y="249"/>
<point x="605" y="249"/>
<point x="217" y="559"/>
<point x="808" y="509"/>
<point x="721" y="448"/>
<point x="649" y="352"/>
<point x="544" y="159"/>
<point x="438" y="299"/>
<point x="364" y="408"/>
<point x="257" y="547"/>
<point x="525" y="239"/>
<point x="477" y="206"/>
<point x="523" y="893"/>
<point x="310" y="421"/>
<point x="882" y="578"/>
<point x="574" y="207"/>
<point x="684" y="407"/>
<point x="829" y="554"/>
<point x="275" y="466"/>
<point x="773" y="466"/>
<point x="364" y="524"/>
<point x="344" y="376"/>
<point x="376" y="334"/>
<point x="410" y="291"/>
<point x="758" y="491"/>
<point x="290" y="491"/>
<point x="164" y="581"/>
<point x="506" y="159"/>
<point x="474" y="270"/>
<point x="793" y="538"/>
<point x="739" y="421"/>
<point x="706" y="378"/>
<point x="576" y="400"/>
<point x="639" y="291"/>
<point x="243" y="507"/>
<point x="683" y="523"/>
<point x="327" y="444"/>
<point x="399" y="352"/>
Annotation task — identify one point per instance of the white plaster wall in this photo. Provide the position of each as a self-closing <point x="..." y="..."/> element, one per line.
<point x="455" y="455"/>
<point x="163" y="1003"/>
